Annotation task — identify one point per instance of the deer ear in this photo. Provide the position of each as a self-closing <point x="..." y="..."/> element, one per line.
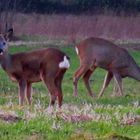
<point x="9" y="34"/>
<point x="3" y="36"/>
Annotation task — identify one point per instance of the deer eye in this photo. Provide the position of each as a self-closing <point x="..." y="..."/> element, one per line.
<point x="4" y="43"/>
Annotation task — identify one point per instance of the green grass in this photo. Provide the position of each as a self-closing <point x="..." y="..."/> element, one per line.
<point x="108" y="111"/>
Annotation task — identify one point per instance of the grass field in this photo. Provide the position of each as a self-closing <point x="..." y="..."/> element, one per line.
<point x="81" y="118"/>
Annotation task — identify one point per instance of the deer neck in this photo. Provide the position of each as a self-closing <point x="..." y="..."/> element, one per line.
<point x="6" y="61"/>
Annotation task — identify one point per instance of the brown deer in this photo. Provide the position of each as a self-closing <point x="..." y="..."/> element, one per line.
<point x="97" y="52"/>
<point x="47" y="65"/>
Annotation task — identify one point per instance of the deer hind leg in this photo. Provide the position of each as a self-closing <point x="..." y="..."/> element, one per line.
<point x="118" y="84"/>
<point x="28" y="93"/>
<point x="49" y="82"/>
<point x="107" y="80"/>
<point x="86" y="81"/>
<point x="81" y="71"/>
<point x="22" y="86"/>
<point x="52" y="89"/>
<point x="58" y="83"/>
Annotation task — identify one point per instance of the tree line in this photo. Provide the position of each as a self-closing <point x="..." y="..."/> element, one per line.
<point x="70" y="6"/>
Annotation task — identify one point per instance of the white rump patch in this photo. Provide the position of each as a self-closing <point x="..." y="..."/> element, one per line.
<point x="65" y="63"/>
<point x="77" y="51"/>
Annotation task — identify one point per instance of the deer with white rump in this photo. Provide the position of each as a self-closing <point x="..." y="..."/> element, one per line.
<point x="47" y="65"/>
<point x="97" y="52"/>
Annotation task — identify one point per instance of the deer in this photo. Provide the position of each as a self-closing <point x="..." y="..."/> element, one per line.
<point x="47" y="65"/>
<point x="97" y="52"/>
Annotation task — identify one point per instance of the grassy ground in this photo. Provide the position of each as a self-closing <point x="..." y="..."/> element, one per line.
<point x="81" y="118"/>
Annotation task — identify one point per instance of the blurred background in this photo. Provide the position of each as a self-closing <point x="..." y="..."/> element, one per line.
<point x="71" y="19"/>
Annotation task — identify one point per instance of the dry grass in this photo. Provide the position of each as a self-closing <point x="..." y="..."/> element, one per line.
<point x="72" y="26"/>
<point x="72" y="113"/>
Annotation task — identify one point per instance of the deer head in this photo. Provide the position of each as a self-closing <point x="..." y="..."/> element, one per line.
<point x="3" y="44"/>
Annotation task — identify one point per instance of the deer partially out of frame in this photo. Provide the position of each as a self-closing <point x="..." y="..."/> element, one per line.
<point x="97" y="52"/>
<point x="47" y="65"/>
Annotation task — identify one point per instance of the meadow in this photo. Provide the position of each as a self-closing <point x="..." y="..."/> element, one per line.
<point x="81" y="117"/>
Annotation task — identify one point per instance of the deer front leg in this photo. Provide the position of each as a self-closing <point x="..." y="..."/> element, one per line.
<point x="77" y="76"/>
<point x="118" y="81"/>
<point x="107" y="80"/>
<point x="22" y="86"/>
<point x="116" y="90"/>
<point x="28" y="93"/>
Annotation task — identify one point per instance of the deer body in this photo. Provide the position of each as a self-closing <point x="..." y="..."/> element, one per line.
<point x="97" y="52"/>
<point x="29" y="65"/>
<point x="39" y="65"/>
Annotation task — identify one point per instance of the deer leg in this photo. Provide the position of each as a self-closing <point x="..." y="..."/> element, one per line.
<point x="86" y="81"/>
<point x="58" y="83"/>
<point x="28" y="93"/>
<point x="107" y="80"/>
<point x="22" y="86"/>
<point x="77" y="76"/>
<point x="52" y="89"/>
<point x="116" y="90"/>
<point x="49" y="82"/>
<point x="118" y="81"/>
